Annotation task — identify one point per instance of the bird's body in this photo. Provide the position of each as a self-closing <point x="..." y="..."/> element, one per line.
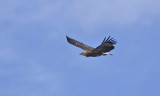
<point x="106" y="46"/>
<point x="90" y="54"/>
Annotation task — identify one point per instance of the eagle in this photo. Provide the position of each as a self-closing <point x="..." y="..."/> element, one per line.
<point x="101" y="50"/>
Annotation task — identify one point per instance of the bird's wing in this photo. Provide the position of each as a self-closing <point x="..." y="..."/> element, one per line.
<point x="79" y="44"/>
<point x="106" y="46"/>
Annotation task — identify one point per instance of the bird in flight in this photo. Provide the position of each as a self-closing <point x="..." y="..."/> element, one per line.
<point x="102" y="49"/>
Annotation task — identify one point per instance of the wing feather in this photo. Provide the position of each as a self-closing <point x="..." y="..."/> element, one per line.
<point x="106" y="46"/>
<point x="79" y="44"/>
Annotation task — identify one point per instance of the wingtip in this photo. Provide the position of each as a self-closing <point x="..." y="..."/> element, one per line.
<point x="109" y="39"/>
<point x="104" y="40"/>
<point x="67" y="38"/>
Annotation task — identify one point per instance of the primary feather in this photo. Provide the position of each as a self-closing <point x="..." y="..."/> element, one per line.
<point x="106" y="46"/>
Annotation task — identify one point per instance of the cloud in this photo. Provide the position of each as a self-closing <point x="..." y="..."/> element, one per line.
<point x="84" y="16"/>
<point x="32" y="31"/>
<point x="86" y="12"/>
<point x="31" y="77"/>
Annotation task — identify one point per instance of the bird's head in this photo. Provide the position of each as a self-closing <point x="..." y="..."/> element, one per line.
<point x="84" y="53"/>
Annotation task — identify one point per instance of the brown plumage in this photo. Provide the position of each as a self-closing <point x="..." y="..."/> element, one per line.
<point x="106" y="46"/>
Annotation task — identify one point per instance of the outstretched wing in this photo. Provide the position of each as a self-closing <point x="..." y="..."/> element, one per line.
<point x="106" y="46"/>
<point x="79" y="44"/>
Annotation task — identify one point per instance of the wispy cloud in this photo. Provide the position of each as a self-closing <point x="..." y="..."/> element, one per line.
<point x="32" y="35"/>
<point x="86" y="13"/>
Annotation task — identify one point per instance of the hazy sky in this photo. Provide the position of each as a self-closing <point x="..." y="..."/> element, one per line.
<point x="36" y="59"/>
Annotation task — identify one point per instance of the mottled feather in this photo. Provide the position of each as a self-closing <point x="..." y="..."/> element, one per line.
<point x="79" y="44"/>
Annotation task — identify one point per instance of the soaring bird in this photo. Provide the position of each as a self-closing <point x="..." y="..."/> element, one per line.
<point x="102" y="49"/>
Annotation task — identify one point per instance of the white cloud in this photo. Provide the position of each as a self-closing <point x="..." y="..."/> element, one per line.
<point x="57" y="18"/>
<point x="89" y="16"/>
<point x="87" y="12"/>
<point x="119" y="13"/>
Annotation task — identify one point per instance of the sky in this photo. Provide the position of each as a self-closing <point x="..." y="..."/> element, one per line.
<point x="37" y="60"/>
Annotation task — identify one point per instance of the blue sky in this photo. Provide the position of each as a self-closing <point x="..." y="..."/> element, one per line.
<point x="36" y="59"/>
